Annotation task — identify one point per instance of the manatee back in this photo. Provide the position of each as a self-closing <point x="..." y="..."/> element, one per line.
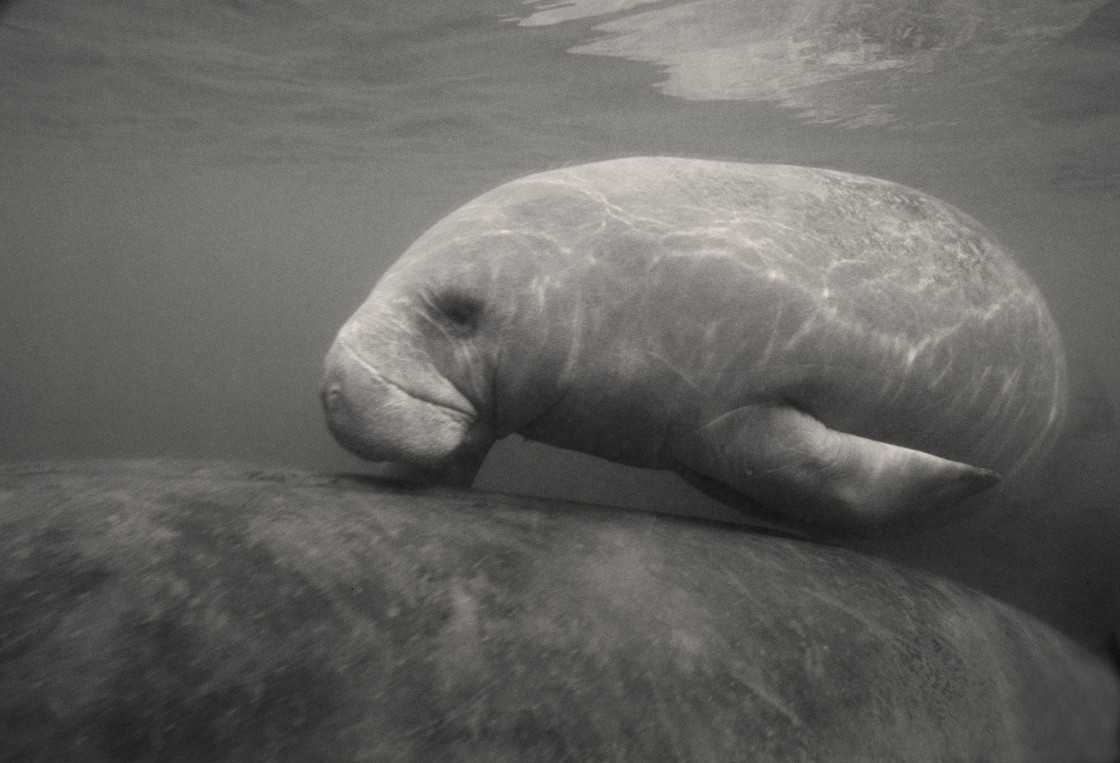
<point x="880" y="310"/>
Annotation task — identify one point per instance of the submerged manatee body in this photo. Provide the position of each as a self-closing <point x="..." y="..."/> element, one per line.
<point x="205" y="611"/>
<point x="841" y="351"/>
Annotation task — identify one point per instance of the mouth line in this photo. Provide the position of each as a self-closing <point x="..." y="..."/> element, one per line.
<point x="468" y="414"/>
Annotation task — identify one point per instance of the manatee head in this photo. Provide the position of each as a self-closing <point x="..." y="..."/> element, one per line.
<point x="458" y="345"/>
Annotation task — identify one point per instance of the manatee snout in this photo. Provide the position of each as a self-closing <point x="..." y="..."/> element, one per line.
<point x="435" y="431"/>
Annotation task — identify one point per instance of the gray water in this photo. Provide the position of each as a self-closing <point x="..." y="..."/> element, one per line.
<point x="194" y="196"/>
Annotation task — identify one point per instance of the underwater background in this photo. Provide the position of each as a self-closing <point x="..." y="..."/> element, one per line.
<point x="194" y="196"/>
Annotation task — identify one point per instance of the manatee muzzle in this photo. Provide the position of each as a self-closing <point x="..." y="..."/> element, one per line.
<point x="423" y="422"/>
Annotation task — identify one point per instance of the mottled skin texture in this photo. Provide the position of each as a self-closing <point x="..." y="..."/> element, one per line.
<point x="214" y="612"/>
<point x="710" y="317"/>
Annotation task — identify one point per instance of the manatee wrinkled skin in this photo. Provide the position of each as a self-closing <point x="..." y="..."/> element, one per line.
<point x="842" y="352"/>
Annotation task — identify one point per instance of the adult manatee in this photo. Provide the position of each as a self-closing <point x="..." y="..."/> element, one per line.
<point x="844" y="352"/>
<point x="206" y="611"/>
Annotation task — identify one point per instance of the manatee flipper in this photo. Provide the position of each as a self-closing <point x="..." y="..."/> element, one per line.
<point x="789" y="462"/>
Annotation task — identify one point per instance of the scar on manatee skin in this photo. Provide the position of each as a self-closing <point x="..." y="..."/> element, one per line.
<point x="678" y="373"/>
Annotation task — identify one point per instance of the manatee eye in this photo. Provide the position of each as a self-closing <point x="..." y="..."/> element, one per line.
<point x="460" y="310"/>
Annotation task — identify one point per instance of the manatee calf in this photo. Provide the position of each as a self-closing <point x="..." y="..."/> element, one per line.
<point x="841" y="351"/>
